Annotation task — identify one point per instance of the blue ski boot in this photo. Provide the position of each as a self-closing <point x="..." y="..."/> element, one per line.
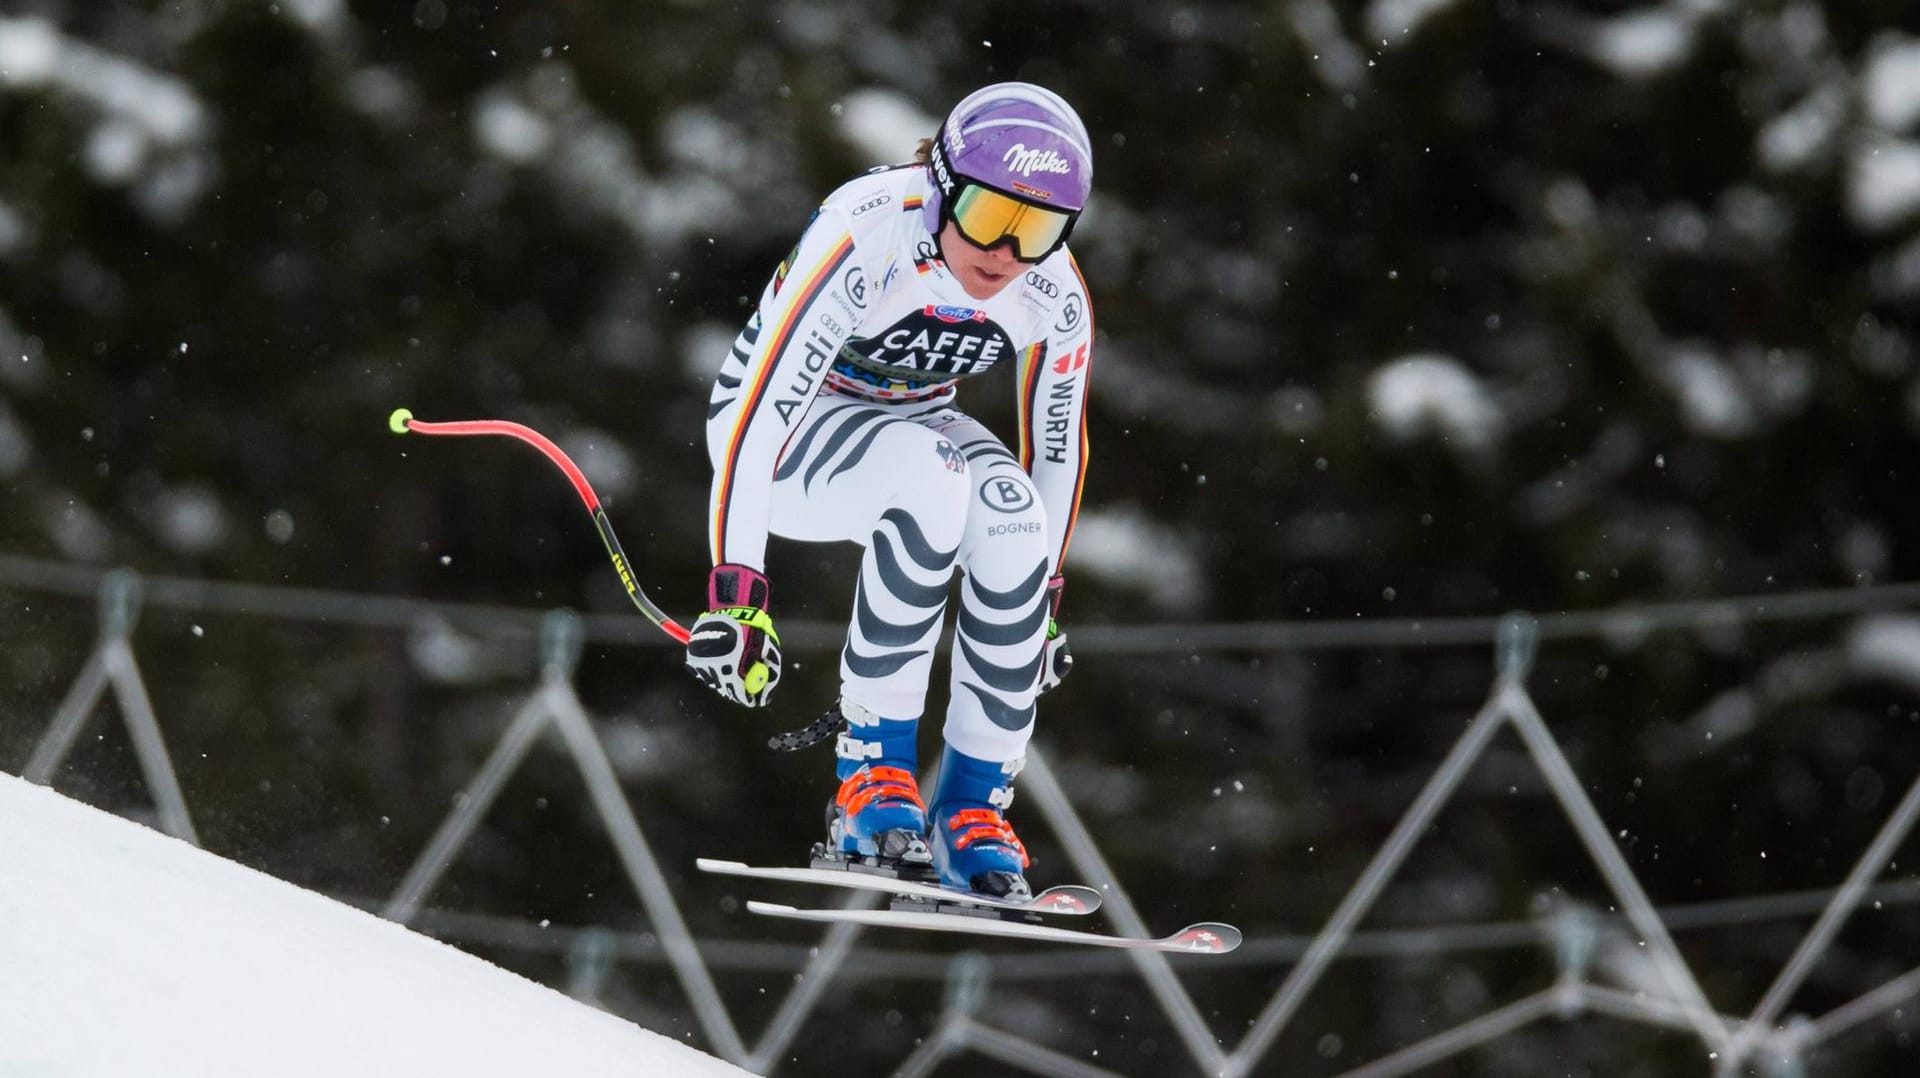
<point x="877" y="813"/>
<point x="973" y="847"/>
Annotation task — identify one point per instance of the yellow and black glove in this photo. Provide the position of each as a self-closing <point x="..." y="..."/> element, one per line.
<point x="732" y="648"/>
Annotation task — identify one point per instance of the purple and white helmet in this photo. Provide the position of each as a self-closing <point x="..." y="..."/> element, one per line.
<point x="1017" y="138"/>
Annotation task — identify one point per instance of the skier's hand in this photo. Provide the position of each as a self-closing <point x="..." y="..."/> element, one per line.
<point x="732" y="648"/>
<point x="1058" y="662"/>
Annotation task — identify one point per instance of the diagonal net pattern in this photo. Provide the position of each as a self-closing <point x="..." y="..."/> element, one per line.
<point x="1735" y="1043"/>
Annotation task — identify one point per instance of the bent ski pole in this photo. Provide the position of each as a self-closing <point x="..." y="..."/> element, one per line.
<point x="402" y="421"/>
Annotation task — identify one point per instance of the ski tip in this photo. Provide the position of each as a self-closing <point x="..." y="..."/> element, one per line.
<point x="773" y="909"/>
<point x="1207" y="937"/>
<point x="397" y="422"/>
<point x="715" y="864"/>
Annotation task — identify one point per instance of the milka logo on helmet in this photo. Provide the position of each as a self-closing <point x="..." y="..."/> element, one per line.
<point x="1027" y="162"/>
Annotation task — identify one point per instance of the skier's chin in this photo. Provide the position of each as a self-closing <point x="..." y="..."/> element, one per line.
<point x="983" y="283"/>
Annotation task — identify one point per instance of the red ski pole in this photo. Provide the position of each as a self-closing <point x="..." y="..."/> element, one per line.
<point x="402" y="421"/>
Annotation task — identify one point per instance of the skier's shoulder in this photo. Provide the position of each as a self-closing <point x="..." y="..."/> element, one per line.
<point x="1054" y="287"/>
<point x="875" y="199"/>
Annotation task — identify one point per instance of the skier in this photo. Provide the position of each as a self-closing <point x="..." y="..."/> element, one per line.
<point x="833" y="419"/>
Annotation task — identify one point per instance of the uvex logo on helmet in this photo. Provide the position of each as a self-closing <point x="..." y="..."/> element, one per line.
<point x="940" y="173"/>
<point x="1027" y="162"/>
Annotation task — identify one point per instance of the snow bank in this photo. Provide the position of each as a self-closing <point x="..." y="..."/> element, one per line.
<point x="124" y="951"/>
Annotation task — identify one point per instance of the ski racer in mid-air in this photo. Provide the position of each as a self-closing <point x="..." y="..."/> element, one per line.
<point x="833" y="419"/>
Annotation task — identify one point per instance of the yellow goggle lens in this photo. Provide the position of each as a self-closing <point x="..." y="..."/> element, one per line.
<point x="987" y="217"/>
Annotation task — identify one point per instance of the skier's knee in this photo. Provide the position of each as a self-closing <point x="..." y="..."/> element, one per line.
<point x="1009" y="522"/>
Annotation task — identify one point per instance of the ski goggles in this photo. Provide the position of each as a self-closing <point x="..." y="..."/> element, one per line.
<point x="988" y="218"/>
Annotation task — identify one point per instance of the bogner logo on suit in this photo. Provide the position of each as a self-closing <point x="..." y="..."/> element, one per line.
<point x="1006" y="495"/>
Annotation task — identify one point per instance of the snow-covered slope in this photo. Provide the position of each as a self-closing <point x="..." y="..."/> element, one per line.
<point x="126" y="952"/>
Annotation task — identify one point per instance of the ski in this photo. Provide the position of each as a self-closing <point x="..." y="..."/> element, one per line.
<point x="1074" y="899"/>
<point x="1204" y="938"/>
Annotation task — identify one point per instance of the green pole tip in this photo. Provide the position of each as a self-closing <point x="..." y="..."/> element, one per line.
<point x="397" y="422"/>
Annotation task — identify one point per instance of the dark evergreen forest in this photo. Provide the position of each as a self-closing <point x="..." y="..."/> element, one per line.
<point x="1409" y="315"/>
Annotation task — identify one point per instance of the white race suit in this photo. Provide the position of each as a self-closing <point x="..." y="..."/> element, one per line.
<point x="832" y="418"/>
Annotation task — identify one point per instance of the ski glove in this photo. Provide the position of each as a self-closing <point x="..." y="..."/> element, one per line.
<point x="1059" y="660"/>
<point x="732" y="648"/>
